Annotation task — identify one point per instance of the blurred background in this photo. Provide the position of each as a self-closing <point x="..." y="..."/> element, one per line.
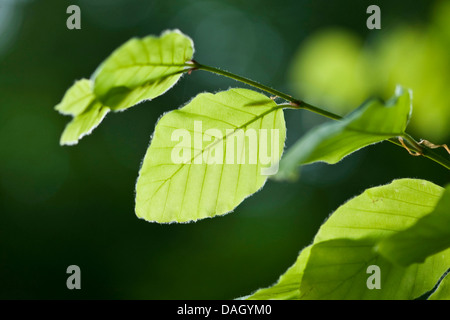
<point x="75" y="205"/>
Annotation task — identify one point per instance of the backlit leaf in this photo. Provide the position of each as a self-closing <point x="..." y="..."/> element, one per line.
<point x="288" y="285"/>
<point x="373" y="122"/>
<point x="443" y="291"/>
<point x="429" y="235"/>
<point x="338" y="262"/>
<point x="196" y="168"/>
<point x="80" y="102"/>
<point x="142" y="69"/>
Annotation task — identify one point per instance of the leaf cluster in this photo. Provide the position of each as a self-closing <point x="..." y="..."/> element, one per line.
<point x="402" y="227"/>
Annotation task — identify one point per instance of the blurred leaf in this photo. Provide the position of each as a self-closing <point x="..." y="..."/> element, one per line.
<point x="417" y="59"/>
<point x="336" y="69"/>
<point x="443" y="291"/>
<point x="80" y="102"/>
<point x="373" y="122"/>
<point x="343" y="249"/>
<point x="331" y="70"/>
<point x="441" y="14"/>
<point x="142" y="69"/>
<point x="429" y="235"/>
<point x="204" y="183"/>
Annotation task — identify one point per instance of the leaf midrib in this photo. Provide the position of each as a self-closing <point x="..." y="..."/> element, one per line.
<point x="181" y="165"/>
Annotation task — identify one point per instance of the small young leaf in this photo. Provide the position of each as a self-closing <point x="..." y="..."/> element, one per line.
<point x="337" y="263"/>
<point x="209" y="172"/>
<point x="373" y="122"/>
<point x="142" y="69"/>
<point x="80" y="102"/>
<point x="77" y="98"/>
<point x="429" y="235"/>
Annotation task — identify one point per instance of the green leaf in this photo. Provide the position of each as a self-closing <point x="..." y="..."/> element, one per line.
<point x="343" y="249"/>
<point x="443" y="291"/>
<point x="139" y="70"/>
<point x="337" y="268"/>
<point x="340" y="269"/>
<point x="288" y="285"/>
<point x="196" y="168"/>
<point x="382" y="211"/>
<point x="373" y="122"/>
<point x="142" y="69"/>
<point x="80" y="102"/>
<point x="429" y="235"/>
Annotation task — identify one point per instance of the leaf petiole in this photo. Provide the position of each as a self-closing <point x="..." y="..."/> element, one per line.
<point x="297" y="104"/>
<point x="415" y="148"/>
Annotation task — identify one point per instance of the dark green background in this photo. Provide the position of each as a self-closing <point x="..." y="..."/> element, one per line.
<point x="75" y="205"/>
